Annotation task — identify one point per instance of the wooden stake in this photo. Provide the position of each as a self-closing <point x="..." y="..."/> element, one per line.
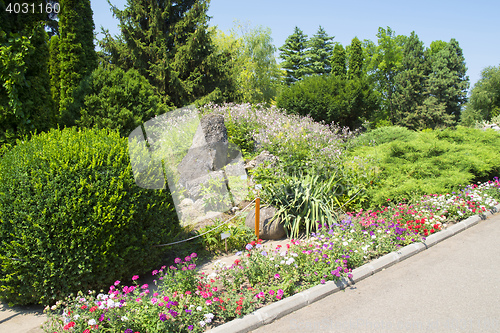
<point x="257" y="216"/>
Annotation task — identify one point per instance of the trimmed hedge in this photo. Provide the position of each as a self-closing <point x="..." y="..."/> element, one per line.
<point x="72" y="217"/>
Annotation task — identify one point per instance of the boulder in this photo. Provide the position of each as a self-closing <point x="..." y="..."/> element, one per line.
<point x="262" y="158"/>
<point x="267" y="229"/>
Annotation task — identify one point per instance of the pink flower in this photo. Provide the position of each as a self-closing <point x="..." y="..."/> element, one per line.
<point x="193" y="255"/>
<point x="276" y="276"/>
<point x="188" y="258"/>
<point x="177" y="260"/>
<point x="271" y="292"/>
<point x="208" y="302"/>
<point x="135" y="277"/>
<point x="117" y="282"/>
<point x="154" y="272"/>
<point x="144" y="286"/>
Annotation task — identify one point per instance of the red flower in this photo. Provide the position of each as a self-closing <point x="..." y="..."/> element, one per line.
<point x="69" y="325"/>
<point x="237" y="261"/>
<point x="86" y="331"/>
<point x="252" y="243"/>
<point x="92" y="309"/>
<point x="83" y="307"/>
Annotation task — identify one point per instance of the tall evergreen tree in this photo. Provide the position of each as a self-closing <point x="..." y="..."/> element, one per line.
<point x="293" y="53"/>
<point x="77" y="54"/>
<point x="339" y="61"/>
<point x="448" y="82"/>
<point x="55" y="70"/>
<point x="169" y="43"/>
<point x="355" y="59"/>
<point x="410" y="83"/>
<point x="320" y="52"/>
<point x="25" y="100"/>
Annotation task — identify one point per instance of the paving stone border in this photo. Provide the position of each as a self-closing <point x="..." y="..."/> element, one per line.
<point x="288" y="305"/>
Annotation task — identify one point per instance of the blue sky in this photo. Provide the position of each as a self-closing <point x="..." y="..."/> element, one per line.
<point x="474" y="24"/>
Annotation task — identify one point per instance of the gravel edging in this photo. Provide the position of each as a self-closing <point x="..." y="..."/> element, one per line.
<point x="288" y="305"/>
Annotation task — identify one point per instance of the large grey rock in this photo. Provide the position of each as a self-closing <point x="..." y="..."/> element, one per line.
<point x="267" y="229"/>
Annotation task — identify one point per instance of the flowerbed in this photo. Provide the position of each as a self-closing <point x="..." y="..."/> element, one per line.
<point x="184" y="300"/>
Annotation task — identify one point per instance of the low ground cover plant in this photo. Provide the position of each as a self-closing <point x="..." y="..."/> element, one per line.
<point x="412" y="164"/>
<point x="184" y="300"/>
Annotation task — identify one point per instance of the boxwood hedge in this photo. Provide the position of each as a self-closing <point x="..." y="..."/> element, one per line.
<point x="72" y="217"/>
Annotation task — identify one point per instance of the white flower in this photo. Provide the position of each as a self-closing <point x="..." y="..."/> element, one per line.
<point x="290" y="261"/>
<point x="76" y="316"/>
<point x="373" y="236"/>
<point x="92" y="322"/>
<point x="345" y="243"/>
<point x="53" y="307"/>
<point x="124" y="318"/>
<point x="282" y="262"/>
<point x="202" y="323"/>
<point x="199" y="308"/>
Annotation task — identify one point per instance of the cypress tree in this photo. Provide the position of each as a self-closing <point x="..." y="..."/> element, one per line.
<point x="355" y="59"/>
<point x="26" y="105"/>
<point x="55" y="70"/>
<point x="293" y="53"/>
<point x="320" y="52"/>
<point x="77" y="54"/>
<point x="338" y="65"/>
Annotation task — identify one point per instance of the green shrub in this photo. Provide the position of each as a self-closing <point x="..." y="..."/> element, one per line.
<point x="72" y="217"/>
<point x="116" y="99"/>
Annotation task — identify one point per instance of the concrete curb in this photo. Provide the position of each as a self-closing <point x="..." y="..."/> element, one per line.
<point x="288" y="305"/>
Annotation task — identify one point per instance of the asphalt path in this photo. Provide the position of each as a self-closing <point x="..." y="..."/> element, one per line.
<point x="451" y="287"/>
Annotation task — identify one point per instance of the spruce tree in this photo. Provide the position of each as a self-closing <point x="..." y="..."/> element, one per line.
<point x="77" y="54"/>
<point x="320" y="53"/>
<point x="293" y="53"/>
<point x="170" y="44"/>
<point x="338" y="63"/>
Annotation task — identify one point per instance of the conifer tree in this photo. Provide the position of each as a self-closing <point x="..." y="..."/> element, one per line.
<point x="169" y="43"/>
<point x="55" y="70"/>
<point x="410" y="83"/>
<point x="320" y="53"/>
<point x="293" y="53"/>
<point x="25" y="99"/>
<point x="448" y="82"/>
<point x="77" y="54"/>
<point x="339" y="65"/>
<point x="355" y="59"/>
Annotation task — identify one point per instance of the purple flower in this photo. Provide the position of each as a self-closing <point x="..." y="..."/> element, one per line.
<point x="163" y="317"/>
<point x="154" y="272"/>
<point x="188" y="258"/>
<point x="129" y="330"/>
<point x="249" y="247"/>
<point x="177" y="260"/>
<point x="190" y="327"/>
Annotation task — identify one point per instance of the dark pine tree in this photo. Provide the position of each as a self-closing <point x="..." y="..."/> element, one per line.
<point x="339" y="61"/>
<point x="293" y="53"/>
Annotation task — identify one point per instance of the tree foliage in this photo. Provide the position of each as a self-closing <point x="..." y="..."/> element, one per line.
<point x="484" y="101"/>
<point x="77" y="56"/>
<point x="319" y="53"/>
<point x="169" y="43"/>
<point x="293" y="54"/>
<point x="339" y="61"/>
<point x="25" y="99"/>
<point x="253" y="66"/>
<point x="118" y="100"/>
